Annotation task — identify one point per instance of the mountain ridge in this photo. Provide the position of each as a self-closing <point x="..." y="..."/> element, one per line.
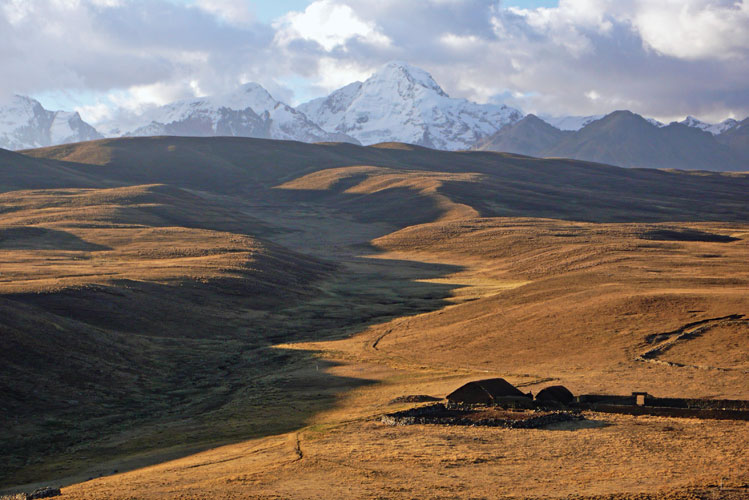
<point x="398" y="103"/>
<point x="249" y="111"/>
<point x="627" y="139"/>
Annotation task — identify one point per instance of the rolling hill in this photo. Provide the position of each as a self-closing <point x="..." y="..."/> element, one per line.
<point x="510" y="185"/>
<point x="165" y="296"/>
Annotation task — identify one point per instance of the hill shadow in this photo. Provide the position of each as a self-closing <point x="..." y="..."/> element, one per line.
<point x="135" y="373"/>
<point x="42" y="238"/>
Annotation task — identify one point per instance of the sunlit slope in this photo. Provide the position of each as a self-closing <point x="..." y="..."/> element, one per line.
<point x="552" y="302"/>
<point x="586" y="300"/>
<point x="500" y="184"/>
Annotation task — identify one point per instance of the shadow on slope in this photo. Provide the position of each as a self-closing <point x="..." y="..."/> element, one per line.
<point x="512" y="184"/>
<point x="156" y="341"/>
<point x="39" y="238"/>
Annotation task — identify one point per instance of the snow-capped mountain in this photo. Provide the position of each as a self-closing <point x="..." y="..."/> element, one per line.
<point x="655" y="122"/>
<point x="249" y="111"/>
<point x="713" y="128"/>
<point x="403" y="103"/>
<point x="24" y="123"/>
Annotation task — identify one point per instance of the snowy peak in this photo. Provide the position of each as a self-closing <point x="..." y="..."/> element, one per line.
<point x="403" y="103"/>
<point x="405" y="78"/>
<point x="249" y="95"/>
<point x="655" y="122"/>
<point x="24" y="123"/>
<point x="69" y="127"/>
<point x="713" y="128"/>
<point x="248" y="111"/>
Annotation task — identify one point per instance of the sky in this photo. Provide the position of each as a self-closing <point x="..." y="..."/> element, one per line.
<point x="113" y="59"/>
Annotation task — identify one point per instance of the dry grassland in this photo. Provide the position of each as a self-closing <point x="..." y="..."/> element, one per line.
<point x="230" y="318"/>
<point x="551" y="302"/>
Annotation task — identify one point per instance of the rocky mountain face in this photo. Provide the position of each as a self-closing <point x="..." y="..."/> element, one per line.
<point x="403" y="103"/>
<point x="24" y="123"/>
<point x="736" y="139"/>
<point x="250" y="111"/>
<point x="626" y="139"/>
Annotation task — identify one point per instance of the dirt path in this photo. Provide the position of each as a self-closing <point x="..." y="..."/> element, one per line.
<point x="665" y="341"/>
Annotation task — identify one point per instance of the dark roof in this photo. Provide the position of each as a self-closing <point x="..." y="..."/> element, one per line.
<point x="558" y="393"/>
<point x="484" y="391"/>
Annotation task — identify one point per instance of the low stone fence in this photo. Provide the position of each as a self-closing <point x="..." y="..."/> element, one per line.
<point x="479" y="416"/>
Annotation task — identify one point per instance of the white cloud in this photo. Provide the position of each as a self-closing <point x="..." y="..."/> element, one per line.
<point x="662" y="58"/>
<point x="15" y="11"/>
<point x="694" y="29"/>
<point x="328" y="23"/>
<point x="230" y="11"/>
<point x="138" y="97"/>
<point x="96" y="113"/>
<point x="335" y="74"/>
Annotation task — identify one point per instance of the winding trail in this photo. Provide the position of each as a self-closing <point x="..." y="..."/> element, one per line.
<point x="665" y="341"/>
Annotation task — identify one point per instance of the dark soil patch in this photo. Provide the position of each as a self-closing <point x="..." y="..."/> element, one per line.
<point x="686" y="235"/>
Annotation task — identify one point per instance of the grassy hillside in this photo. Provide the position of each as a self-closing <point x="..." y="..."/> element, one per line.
<point x="167" y="295"/>
<point x="509" y="185"/>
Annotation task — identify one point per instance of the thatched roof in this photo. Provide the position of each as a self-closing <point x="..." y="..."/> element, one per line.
<point x="558" y="393"/>
<point x="484" y="392"/>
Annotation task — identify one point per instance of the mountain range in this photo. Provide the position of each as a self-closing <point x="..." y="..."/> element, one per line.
<point x="249" y="111"/>
<point x="24" y="123"/>
<point x="403" y="103"/>
<point x="626" y="139"/>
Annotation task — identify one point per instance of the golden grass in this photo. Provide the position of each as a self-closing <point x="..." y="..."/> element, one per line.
<point x="550" y="307"/>
<point x="186" y="302"/>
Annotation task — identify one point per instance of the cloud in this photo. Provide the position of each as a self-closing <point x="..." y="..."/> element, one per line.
<point x="696" y="29"/>
<point x="236" y="12"/>
<point x="665" y="59"/>
<point x="328" y="23"/>
<point x="122" y="46"/>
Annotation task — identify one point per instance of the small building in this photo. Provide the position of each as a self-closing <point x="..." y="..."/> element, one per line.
<point x="491" y="391"/>
<point x="555" y="393"/>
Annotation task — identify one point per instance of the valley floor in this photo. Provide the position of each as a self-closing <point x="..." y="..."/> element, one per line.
<point x="522" y="292"/>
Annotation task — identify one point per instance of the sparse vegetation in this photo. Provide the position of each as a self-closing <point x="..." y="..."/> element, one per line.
<point x="242" y="312"/>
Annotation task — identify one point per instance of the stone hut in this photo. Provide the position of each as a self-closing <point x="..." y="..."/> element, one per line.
<point x="485" y="392"/>
<point x="555" y="393"/>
